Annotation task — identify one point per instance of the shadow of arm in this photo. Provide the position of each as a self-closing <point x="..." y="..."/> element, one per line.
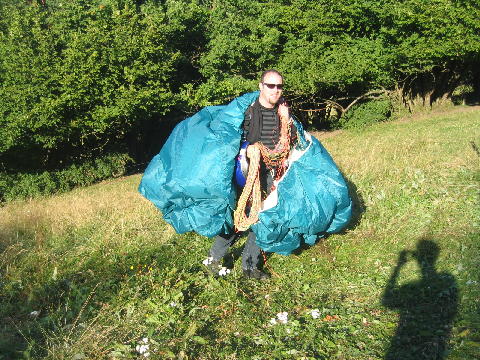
<point x="391" y="294"/>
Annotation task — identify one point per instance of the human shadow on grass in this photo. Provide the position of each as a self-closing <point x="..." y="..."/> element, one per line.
<point x="427" y="307"/>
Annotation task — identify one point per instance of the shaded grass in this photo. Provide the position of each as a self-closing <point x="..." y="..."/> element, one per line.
<point x="104" y="270"/>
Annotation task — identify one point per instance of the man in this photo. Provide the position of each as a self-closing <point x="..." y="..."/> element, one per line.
<point x="293" y="190"/>
<point x="262" y="124"/>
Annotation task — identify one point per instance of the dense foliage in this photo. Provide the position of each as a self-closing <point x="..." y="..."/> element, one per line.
<point x="82" y="79"/>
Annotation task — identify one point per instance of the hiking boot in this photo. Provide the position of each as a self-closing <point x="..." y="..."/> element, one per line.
<point x="255" y="274"/>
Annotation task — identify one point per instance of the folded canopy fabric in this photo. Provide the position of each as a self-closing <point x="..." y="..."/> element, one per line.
<point x="191" y="182"/>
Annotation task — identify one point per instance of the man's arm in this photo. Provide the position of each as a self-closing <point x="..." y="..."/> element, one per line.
<point x="390" y="293"/>
<point x="284" y="112"/>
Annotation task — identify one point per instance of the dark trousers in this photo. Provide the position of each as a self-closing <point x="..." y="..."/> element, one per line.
<point x="251" y="254"/>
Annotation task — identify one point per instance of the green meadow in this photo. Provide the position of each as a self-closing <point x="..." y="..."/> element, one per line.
<point x="96" y="273"/>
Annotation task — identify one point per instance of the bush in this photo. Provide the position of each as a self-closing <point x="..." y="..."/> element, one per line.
<point x="366" y="114"/>
<point x="77" y="78"/>
<point x="30" y="185"/>
<point x="82" y="78"/>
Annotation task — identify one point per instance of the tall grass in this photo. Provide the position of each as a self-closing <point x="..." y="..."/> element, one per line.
<point x="90" y="273"/>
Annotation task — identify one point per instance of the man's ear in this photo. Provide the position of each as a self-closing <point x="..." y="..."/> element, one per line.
<point x="260" y="86"/>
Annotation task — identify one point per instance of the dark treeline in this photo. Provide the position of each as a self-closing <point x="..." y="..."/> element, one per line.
<point x="87" y="85"/>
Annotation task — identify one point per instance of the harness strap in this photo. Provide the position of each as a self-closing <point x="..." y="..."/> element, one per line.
<point x="252" y="193"/>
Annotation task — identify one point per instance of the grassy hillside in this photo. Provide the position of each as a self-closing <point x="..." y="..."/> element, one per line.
<point x="96" y="274"/>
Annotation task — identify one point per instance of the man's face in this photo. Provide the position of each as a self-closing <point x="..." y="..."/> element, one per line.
<point x="269" y="94"/>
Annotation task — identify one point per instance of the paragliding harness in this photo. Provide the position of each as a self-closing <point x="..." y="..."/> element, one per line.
<point x="251" y="134"/>
<point x="247" y="169"/>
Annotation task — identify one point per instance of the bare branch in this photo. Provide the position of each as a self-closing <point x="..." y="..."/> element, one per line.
<point x="366" y="95"/>
<point x="325" y="104"/>
<point x="312" y="110"/>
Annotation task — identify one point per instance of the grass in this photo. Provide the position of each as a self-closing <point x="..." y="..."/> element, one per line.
<point x="90" y="273"/>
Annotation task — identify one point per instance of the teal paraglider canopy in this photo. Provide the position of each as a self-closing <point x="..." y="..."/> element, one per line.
<point x="191" y="182"/>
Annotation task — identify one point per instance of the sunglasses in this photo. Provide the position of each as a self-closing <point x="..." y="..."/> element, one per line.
<point x="273" y="86"/>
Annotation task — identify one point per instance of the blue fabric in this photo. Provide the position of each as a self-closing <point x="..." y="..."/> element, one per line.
<point x="191" y="182"/>
<point x="241" y="165"/>
<point x="312" y="199"/>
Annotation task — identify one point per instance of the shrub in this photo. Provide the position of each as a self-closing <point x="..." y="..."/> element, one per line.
<point x="366" y="114"/>
<point x="29" y="185"/>
<point x="77" y="78"/>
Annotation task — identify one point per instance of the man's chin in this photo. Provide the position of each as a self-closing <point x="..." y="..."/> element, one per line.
<point x="274" y="100"/>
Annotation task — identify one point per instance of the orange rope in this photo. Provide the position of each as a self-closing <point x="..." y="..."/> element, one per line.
<point x="273" y="159"/>
<point x="251" y="193"/>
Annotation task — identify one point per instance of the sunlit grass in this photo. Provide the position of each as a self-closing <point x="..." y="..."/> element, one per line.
<point x="105" y="271"/>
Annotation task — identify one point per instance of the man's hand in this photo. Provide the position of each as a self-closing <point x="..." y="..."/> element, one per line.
<point x="283" y="109"/>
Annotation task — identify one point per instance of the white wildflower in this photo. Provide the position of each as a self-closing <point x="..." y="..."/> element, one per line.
<point x="34" y="314"/>
<point x="173" y="304"/>
<point x="224" y="271"/>
<point x="236" y="333"/>
<point x="207" y="261"/>
<point x="142" y="349"/>
<point x="315" y="313"/>
<point x="283" y="317"/>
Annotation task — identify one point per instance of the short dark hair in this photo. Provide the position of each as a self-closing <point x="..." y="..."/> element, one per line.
<point x="268" y="72"/>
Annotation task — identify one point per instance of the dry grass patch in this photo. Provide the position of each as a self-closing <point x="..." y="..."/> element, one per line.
<point x="114" y="205"/>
